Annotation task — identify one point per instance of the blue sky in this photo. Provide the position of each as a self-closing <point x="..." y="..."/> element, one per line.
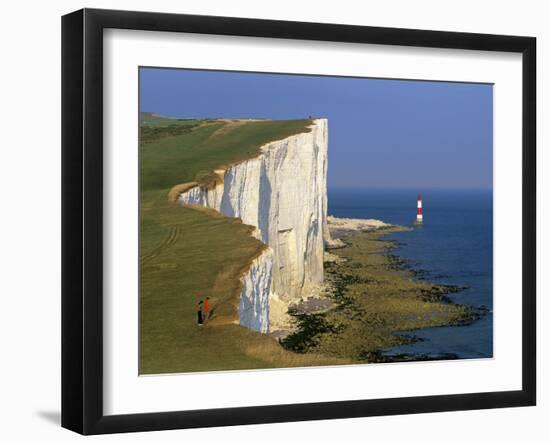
<point x="382" y="133"/>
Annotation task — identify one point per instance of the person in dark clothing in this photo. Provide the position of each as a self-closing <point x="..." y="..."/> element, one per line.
<point x="199" y="314"/>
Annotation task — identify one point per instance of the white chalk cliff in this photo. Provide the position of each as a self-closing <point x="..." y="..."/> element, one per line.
<point x="282" y="192"/>
<point x="256" y="293"/>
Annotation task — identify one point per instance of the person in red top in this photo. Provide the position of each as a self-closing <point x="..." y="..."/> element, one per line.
<point x="206" y="308"/>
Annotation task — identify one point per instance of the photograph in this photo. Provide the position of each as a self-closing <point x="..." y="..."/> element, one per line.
<point x="295" y="220"/>
<point x="260" y="222"/>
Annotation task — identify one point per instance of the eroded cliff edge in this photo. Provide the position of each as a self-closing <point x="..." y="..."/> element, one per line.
<point x="281" y="192"/>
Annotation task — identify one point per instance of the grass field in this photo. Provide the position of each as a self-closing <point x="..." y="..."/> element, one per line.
<point x="188" y="254"/>
<point x="152" y="120"/>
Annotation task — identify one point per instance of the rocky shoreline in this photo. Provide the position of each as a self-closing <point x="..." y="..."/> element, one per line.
<point x="373" y="299"/>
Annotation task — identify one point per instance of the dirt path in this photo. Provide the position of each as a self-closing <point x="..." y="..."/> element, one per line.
<point x="228" y="127"/>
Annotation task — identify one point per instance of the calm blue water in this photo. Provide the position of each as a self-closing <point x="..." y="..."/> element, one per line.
<point x="454" y="245"/>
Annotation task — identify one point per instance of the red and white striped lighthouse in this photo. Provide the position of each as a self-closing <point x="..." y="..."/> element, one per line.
<point x="419" y="209"/>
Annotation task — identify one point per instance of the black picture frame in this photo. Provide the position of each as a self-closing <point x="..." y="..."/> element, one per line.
<point x="82" y="220"/>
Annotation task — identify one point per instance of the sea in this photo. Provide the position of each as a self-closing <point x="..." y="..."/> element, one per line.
<point x="454" y="246"/>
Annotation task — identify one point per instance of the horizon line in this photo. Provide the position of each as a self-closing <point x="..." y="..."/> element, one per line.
<point x="409" y="188"/>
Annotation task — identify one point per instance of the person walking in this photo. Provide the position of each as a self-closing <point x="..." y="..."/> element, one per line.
<point x="206" y="309"/>
<point x="199" y="314"/>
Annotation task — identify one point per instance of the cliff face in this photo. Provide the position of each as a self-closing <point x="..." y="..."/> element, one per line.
<point x="282" y="192"/>
<point x="254" y="305"/>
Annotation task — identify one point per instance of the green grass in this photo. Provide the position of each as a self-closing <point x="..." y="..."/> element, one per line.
<point x="188" y="254"/>
<point x="183" y="253"/>
<point x="150" y="119"/>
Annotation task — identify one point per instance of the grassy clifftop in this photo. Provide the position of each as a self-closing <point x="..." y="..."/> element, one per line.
<point x="187" y="254"/>
<point x="189" y="150"/>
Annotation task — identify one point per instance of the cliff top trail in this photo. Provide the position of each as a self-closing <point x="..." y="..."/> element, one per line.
<point x="187" y="255"/>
